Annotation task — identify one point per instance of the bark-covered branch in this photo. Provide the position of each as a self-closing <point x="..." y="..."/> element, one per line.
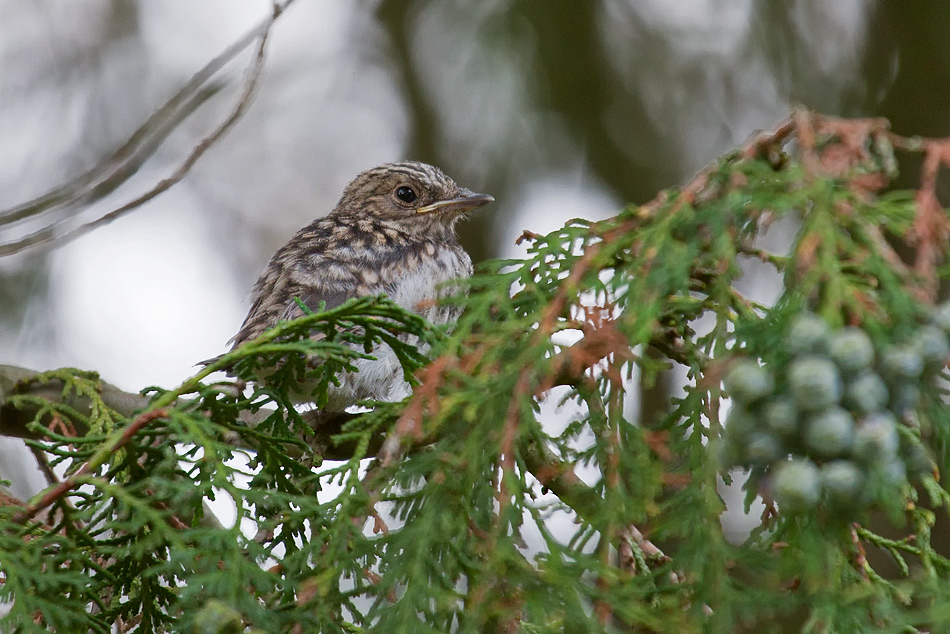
<point x="15" y="421"/>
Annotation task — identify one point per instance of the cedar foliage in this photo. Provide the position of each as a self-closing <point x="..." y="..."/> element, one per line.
<point x="430" y="529"/>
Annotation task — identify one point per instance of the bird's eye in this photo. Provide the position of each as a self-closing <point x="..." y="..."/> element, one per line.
<point x="406" y="194"/>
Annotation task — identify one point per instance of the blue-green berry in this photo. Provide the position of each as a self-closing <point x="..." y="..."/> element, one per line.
<point x="808" y="334"/>
<point x="781" y="416"/>
<point x="851" y="348"/>
<point x="763" y="448"/>
<point x="830" y="432"/>
<point x="876" y="439"/>
<point x="815" y="383"/>
<point x="930" y="342"/>
<point x="796" y="485"/>
<point x="902" y="362"/>
<point x="217" y="616"/>
<point x="842" y="482"/>
<point x="905" y="395"/>
<point x="941" y="317"/>
<point x="866" y="393"/>
<point x="894" y="471"/>
<point x="747" y="381"/>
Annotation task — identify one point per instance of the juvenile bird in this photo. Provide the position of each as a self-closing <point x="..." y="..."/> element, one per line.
<point x="393" y="233"/>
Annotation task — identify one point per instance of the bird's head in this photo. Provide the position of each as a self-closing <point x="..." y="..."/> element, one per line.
<point x="411" y="193"/>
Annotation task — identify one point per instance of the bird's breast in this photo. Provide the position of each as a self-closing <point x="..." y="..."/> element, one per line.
<point x="423" y="279"/>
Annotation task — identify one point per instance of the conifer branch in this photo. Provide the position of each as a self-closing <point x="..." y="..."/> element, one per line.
<point x="419" y="540"/>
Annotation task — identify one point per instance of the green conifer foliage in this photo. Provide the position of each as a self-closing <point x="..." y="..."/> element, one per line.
<point x="446" y="519"/>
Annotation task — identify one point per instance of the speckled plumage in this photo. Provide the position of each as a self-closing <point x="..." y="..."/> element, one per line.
<point x="373" y="242"/>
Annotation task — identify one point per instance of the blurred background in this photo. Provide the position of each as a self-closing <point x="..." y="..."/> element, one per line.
<point x="559" y="109"/>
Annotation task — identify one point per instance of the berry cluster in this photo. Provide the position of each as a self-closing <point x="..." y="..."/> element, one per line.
<point x="830" y="425"/>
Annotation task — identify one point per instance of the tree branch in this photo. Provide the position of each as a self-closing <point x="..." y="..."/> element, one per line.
<point x="15" y="422"/>
<point x="126" y="161"/>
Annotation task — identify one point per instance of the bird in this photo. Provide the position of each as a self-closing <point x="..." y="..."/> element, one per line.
<point x="393" y="233"/>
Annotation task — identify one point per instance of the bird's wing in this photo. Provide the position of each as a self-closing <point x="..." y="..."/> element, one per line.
<point x="311" y="298"/>
<point x="276" y="300"/>
<point x="327" y="261"/>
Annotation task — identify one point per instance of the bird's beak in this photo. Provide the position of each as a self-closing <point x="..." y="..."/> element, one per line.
<point x="465" y="201"/>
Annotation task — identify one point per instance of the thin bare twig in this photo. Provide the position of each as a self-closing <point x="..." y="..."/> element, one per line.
<point x="128" y="159"/>
<point x="118" y="167"/>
